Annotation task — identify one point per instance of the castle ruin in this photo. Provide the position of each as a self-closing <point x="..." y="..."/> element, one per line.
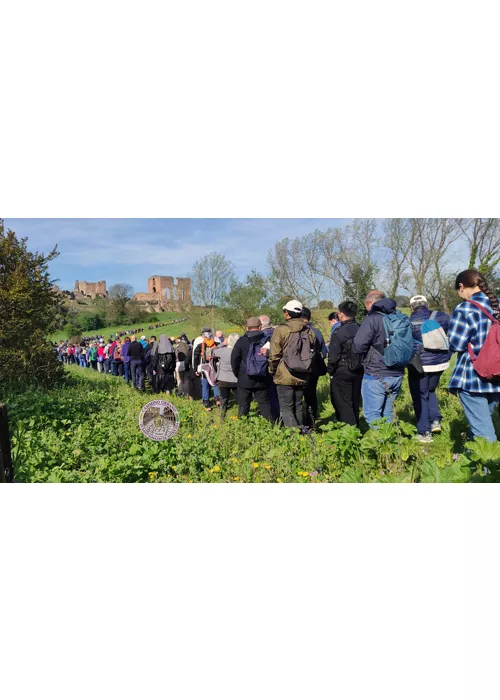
<point x="167" y="295"/>
<point x="90" y="289"/>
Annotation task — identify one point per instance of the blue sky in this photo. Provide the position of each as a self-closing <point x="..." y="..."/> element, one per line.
<point x="131" y="250"/>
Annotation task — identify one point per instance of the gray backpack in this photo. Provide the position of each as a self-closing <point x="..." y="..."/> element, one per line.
<point x="298" y="353"/>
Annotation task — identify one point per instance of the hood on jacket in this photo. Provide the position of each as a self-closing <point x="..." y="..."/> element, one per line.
<point x="386" y="306"/>
<point x="254" y="336"/>
<point x="164" y="345"/>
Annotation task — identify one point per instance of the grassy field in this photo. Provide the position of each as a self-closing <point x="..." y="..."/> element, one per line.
<point x="192" y="326"/>
<point x="87" y="431"/>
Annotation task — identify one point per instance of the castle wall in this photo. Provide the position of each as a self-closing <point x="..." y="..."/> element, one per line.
<point x="91" y="289"/>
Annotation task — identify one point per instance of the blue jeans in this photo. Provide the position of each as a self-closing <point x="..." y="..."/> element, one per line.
<point x="377" y="402"/>
<point x="425" y="403"/>
<point x="479" y="412"/>
<point x="205" y="390"/>
<point x="137" y="372"/>
<point x="126" y="369"/>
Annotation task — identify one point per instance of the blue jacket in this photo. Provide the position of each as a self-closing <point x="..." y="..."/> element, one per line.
<point x="370" y="341"/>
<point x="429" y="357"/>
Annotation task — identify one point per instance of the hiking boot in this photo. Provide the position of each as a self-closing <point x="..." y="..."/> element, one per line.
<point x="425" y="438"/>
<point x="436" y="426"/>
<point x="207" y="406"/>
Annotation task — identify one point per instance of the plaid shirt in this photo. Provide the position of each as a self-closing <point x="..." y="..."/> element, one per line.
<point x="469" y="324"/>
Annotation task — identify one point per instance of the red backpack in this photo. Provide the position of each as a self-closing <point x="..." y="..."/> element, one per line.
<point x="487" y="361"/>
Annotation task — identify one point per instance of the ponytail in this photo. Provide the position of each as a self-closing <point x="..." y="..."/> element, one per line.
<point x="473" y="278"/>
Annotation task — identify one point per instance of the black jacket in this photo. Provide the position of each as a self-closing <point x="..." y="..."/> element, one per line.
<point x="136" y="351"/>
<point x="239" y="361"/>
<point x="337" y="352"/>
<point x="370" y="340"/>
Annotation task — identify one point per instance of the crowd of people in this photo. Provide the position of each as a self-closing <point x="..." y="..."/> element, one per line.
<point x="279" y="366"/>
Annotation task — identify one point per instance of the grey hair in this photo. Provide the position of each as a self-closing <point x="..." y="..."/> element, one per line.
<point x="265" y="320"/>
<point x="417" y="304"/>
<point x="374" y="296"/>
<point x="232" y="338"/>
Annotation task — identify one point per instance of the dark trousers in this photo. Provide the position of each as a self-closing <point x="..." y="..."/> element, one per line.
<point x="126" y="370"/>
<point x="311" y="400"/>
<point x="225" y="395"/>
<point x="345" y="390"/>
<point x="164" y="381"/>
<point x="290" y="398"/>
<point x="245" y="398"/>
<point x="425" y="403"/>
<point x="137" y="372"/>
<point x="151" y="377"/>
<point x="117" y="368"/>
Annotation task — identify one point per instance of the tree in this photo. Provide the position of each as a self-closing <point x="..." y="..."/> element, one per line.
<point x="120" y="295"/>
<point x="29" y="311"/>
<point x="344" y="253"/>
<point x="483" y="236"/>
<point x="211" y="279"/>
<point x="358" y="286"/>
<point x="294" y="267"/>
<point x="396" y="241"/>
<point x="248" y="298"/>
<point x="417" y="253"/>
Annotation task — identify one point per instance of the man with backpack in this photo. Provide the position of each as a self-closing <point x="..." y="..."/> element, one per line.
<point x="385" y="341"/>
<point x="290" y="362"/>
<point x="345" y="367"/>
<point x="250" y="367"/>
<point x="432" y="354"/>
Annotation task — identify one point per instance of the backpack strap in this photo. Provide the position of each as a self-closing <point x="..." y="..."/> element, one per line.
<point x="433" y="315"/>
<point x="485" y="311"/>
<point x="472" y="356"/>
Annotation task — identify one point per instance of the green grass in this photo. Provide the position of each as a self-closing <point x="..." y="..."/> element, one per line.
<point x="87" y="431"/>
<point x="192" y="326"/>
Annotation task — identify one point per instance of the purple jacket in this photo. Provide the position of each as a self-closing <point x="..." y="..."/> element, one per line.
<point x="125" y="355"/>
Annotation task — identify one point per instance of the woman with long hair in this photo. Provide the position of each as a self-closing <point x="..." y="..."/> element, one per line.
<point x="469" y="326"/>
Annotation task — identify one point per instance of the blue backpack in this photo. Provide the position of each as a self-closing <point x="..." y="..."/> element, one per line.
<point x="398" y="340"/>
<point x="256" y="363"/>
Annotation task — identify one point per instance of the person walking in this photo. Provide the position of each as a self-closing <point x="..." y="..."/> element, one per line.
<point x="432" y="350"/>
<point x="148" y="356"/>
<point x="117" y="363"/>
<point x="126" y="358"/>
<point x="344" y="367"/>
<point x="290" y="359"/>
<point x="136" y="354"/>
<point x="383" y="377"/>
<point x="250" y="367"/>
<point x="226" y="379"/>
<point x="93" y="356"/>
<point x="470" y="324"/>
<point x="182" y="356"/>
<point x="318" y="370"/>
<point x="202" y="354"/>
<point x="164" y="365"/>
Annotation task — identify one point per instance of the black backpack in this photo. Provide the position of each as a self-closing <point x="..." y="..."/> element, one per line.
<point x="166" y="362"/>
<point x="298" y="353"/>
<point x="353" y="360"/>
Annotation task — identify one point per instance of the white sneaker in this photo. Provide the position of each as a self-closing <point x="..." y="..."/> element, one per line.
<point x="424" y="438"/>
<point x="435" y="427"/>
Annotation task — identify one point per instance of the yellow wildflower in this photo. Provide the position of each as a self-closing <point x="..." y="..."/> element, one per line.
<point x="278" y="481"/>
<point x="152" y="475"/>
<point x="216" y="468"/>
<point x="267" y="466"/>
<point x="211" y="470"/>
<point x="189" y="435"/>
<point x="236" y="478"/>
<point x="255" y="465"/>
<point x="68" y="433"/>
<point x="234" y="417"/>
<point x="190" y="481"/>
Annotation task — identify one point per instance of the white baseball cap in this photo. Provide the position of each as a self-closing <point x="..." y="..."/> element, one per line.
<point x="418" y="299"/>
<point x="293" y="305"/>
<point x="143" y="337"/>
